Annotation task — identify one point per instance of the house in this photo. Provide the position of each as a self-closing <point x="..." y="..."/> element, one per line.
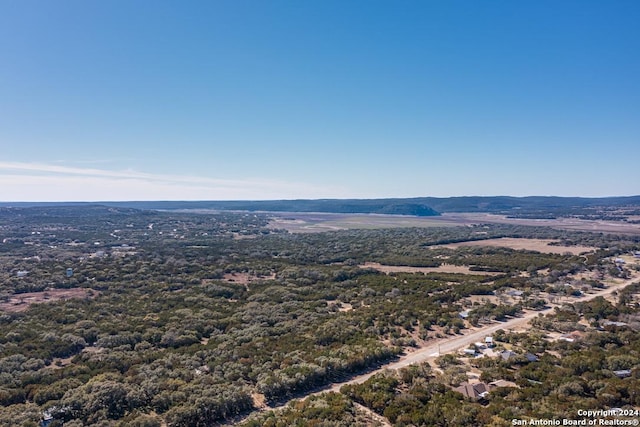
<point x="473" y="391"/>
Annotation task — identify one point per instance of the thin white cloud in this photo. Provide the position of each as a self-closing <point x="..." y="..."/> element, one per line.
<point x="45" y="182"/>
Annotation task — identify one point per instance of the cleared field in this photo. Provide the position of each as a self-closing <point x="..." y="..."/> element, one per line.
<point x="21" y="302"/>
<point x="445" y="268"/>
<point x="302" y="222"/>
<point x="320" y="222"/>
<point x="538" y="245"/>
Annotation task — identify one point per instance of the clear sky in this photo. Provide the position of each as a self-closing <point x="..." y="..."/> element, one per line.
<point x="221" y="100"/>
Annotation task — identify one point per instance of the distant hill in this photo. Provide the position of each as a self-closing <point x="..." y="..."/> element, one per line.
<point x="521" y="207"/>
<point x="368" y="206"/>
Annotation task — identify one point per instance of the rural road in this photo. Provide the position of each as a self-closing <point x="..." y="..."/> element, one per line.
<point x="452" y="344"/>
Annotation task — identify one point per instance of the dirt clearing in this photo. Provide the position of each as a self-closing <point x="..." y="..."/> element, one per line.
<point x="445" y="268"/>
<point x="245" y="278"/>
<point x="20" y="302"/>
<point x="538" y="245"/>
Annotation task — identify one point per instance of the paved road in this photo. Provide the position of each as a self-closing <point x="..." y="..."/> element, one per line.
<point x="452" y="344"/>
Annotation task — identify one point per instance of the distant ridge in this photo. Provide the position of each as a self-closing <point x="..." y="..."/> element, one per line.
<point x="526" y="207"/>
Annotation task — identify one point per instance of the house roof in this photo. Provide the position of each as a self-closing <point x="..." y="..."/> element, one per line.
<point x="623" y="373"/>
<point x="473" y="391"/>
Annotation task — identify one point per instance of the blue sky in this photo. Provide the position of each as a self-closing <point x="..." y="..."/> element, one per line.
<point x="159" y="100"/>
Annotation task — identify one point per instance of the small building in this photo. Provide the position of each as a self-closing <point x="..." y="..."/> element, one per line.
<point x="22" y="273"/>
<point x="464" y="314"/>
<point x="531" y="357"/>
<point x="69" y="272"/>
<point x="473" y="391"/>
<point x="488" y="341"/>
<point x="469" y="351"/>
<point x="623" y="373"/>
<point x="571" y="336"/>
<point x="619" y="261"/>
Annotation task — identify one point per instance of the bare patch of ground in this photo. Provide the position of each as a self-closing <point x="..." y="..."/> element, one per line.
<point x="59" y="363"/>
<point x="445" y="268"/>
<point x="342" y="306"/>
<point x="538" y="245"/>
<point x="483" y="299"/>
<point x="20" y="302"/>
<point x="238" y="236"/>
<point x="259" y="401"/>
<point x="245" y="278"/>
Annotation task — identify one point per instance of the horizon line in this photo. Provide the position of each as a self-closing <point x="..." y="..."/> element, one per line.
<point x="305" y="199"/>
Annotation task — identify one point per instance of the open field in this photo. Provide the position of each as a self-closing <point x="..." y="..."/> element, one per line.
<point x="538" y="245"/>
<point x="300" y="222"/>
<point x="21" y="302"/>
<point x="446" y="268"/>
<point x="319" y="222"/>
